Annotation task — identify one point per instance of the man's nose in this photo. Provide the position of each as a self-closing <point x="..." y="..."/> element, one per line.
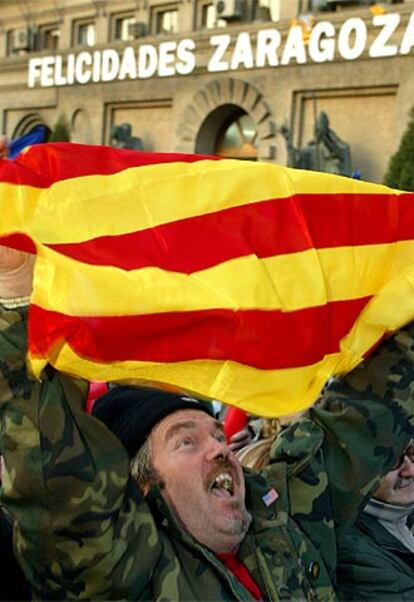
<point x="217" y="449"/>
<point x="407" y="468"/>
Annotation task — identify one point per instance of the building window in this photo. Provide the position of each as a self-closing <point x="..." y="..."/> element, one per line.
<point x="267" y="10"/>
<point x="237" y="138"/>
<point x="21" y="40"/>
<point x="164" y="19"/>
<point x="333" y="5"/>
<point x="207" y="16"/>
<point x="123" y="28"/>
<point x="9" y="42"/>
<point x="84" y="33"/>
<point x="48" y="37"/>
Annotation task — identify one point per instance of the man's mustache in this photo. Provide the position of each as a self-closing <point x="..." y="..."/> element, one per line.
<point x="221" y="465"/>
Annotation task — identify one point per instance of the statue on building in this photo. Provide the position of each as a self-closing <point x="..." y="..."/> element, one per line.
<point x="326" y="152"/>
<point x="121" y="137"/>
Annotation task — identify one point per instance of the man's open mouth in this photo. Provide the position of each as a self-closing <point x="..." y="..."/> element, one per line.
<point x="223" y="485"/>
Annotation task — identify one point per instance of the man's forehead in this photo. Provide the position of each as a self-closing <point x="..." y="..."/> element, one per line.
<point x="186" y="419"/>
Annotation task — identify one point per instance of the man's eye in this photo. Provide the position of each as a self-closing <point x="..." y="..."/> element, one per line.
<point x="221" y="437"/>
<point x="409" y="453"/>
<point x="185" y="442"/>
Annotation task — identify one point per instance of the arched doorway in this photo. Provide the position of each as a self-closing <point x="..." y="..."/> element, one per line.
<point x="26" y="125"/>
<point x="230" y="118"/>
<point x="80" y="125"/>
<point x="237" y="138"/>
<point x="228" y="132"/>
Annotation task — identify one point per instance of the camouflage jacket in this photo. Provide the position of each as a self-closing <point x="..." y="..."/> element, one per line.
<point x="84" y="532"/>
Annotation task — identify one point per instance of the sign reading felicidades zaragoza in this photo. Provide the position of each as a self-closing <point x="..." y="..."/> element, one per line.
<point x="268" y="49"/>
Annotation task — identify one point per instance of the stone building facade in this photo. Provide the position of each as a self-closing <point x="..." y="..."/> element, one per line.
<point x="212" y="76"/>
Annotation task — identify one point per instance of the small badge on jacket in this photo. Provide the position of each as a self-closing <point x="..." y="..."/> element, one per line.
<point x="270" y="497"/>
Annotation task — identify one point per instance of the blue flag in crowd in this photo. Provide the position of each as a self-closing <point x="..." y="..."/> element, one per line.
<point x="35" y="136"/>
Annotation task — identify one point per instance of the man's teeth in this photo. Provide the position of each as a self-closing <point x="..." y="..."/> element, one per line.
<point x="224" y="480"/>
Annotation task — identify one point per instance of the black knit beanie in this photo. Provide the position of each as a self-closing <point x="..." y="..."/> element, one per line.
<point x="132" y="412"/>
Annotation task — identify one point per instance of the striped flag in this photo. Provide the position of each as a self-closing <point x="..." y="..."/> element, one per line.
<point x="246" y="282"/>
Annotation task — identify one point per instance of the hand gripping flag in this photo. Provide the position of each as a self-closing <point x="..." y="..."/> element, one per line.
<point x="246" y="282"/>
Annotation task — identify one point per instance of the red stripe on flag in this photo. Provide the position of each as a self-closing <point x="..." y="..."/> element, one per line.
<point x="264" y="229"/>
<point x="245" y="336"/>
<point x="44" y="164"/>
<point x="22" y="242"/>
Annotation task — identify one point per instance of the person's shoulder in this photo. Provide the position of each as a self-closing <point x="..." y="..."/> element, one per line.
<point x="297" y="444"/>
<point x="5" y="527"/>
<point x="256" y="455"/>
<point x="361" y="539"/>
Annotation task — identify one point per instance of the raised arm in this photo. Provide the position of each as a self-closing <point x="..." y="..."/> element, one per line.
<point x="82" y="530"/>
<point x="336" y="453"/>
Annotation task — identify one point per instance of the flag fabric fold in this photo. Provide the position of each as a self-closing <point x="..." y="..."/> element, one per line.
<point x="246" y="282"/>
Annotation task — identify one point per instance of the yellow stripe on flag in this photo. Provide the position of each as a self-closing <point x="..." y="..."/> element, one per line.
<point x="145" y="197"/>
<point x="289" y="282"/>
<point x="267" y="393"/>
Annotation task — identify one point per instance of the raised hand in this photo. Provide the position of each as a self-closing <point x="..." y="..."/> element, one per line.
<point x="10" y="259"/>
<point x="4" y="147"/>
<point x="16" y="273"/>
<point x="240" y="439"/>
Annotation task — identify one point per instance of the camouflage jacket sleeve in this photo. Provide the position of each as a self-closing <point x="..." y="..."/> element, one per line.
<point x="337" y="451"/>
<point x="82" y="530"/>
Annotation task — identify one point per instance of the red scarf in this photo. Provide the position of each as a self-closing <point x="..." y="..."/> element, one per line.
<point x="233" y="564"/>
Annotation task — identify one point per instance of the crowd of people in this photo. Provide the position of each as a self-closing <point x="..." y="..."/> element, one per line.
<point x="145" y="500"/>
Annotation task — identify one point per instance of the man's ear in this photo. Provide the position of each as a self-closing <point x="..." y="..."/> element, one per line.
<point x="145" y="488"/>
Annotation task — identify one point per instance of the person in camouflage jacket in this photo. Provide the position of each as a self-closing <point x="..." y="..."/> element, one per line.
<point x="83" y="529"/>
